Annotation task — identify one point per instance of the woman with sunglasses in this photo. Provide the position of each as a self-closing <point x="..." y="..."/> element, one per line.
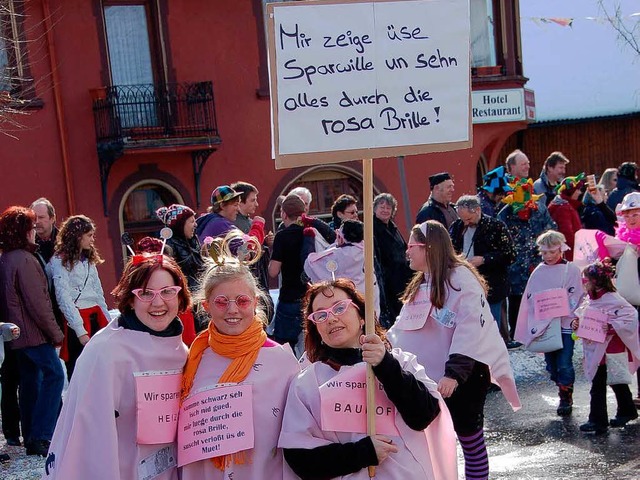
<point x="415" y="438"/>
<point x="446" y="321"/>
<point x="235" y="349"/>
<point x="102" y="432"/>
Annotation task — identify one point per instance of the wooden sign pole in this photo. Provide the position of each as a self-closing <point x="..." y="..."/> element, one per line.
<point x="369" y="316"/>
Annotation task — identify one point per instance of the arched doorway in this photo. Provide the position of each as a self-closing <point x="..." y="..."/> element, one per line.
<point x="326" y="184"/>
<point x="138" y="208"/>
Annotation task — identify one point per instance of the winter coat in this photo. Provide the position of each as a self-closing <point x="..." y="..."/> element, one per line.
<point x="598" y="217"/>
<point x="524" y="234"/>
<point x="623" y="187"/>
<point x="541" y="185"/>
<point x="564" y="211"/>
<point x="492" y="242"/>
<point x="187" y="255"/>
<point x="390" y="250"/>
<point x="24" y="300"/>
<point x="432" y="210"/>
<point x="488" y="206"/>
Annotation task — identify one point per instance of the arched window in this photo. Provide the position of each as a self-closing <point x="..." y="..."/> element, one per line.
<point x="139" y="205"/>
<point x="327" y="184"/>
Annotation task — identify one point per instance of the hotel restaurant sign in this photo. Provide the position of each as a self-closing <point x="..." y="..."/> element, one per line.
<point x="509" y="105"/>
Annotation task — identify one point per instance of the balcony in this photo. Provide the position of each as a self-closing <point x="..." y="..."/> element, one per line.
<point x="148" y="113"/>
<point x="154" y="118"/>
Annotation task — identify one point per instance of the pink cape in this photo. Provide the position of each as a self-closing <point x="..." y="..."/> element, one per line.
<point x="349" y="261"/>
<point x="624" y="320"/>
<point x="474" y="334"/>
<point x="89" y="441"/>
<point x="428" y="454"/>
<point x="272" y="372"/>
<point x="546" y="277"/>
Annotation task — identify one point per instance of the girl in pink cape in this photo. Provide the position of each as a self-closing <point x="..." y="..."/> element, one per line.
<point x="234" y="349"/>
<point x="98" y="435"/>
<point x="554" y="272"/>
<point x="416" y="440"/>
<point x="622" y="337"/>
<point x="447" y="323"/>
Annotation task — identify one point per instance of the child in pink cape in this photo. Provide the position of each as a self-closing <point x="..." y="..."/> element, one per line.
<point x="554" y="272"/>
<point x="447" y="323"/>
<point x="97" y="435"/>
<point x="235" y="349"/>
<point x="622" y="337"/>
<point x="418" y="442"/>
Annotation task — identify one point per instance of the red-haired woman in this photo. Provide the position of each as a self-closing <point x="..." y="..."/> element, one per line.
<point x="102" y="432"/>
<point x="77" y="284"/>
<point x="24" y="299"/>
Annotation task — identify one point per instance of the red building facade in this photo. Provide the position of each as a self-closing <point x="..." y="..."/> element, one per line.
<point x="130" y="105"/>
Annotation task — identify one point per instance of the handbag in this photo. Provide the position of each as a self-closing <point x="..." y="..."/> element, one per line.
<point x="627" y="281"/>
<point x="618" y="369"/>
<point x="549" y="341"/>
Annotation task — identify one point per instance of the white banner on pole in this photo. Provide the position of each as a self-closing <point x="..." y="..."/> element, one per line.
<point x="351" y="77"/>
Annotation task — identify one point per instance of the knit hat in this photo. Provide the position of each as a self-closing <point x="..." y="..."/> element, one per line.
<point x="496" y="181"/>
<point x="438" y="178"/>
<point x="631" y="201"/>
<point x="223" y="193"/>
<point x="173" y="214"/>
<point x="628" y="170"/>
<point x="293" y="206"/>
<point x="522" y="198"/>
<point x="569" y="185"/>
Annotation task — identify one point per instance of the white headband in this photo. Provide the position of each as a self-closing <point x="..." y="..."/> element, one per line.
<point x="563" y="248"/>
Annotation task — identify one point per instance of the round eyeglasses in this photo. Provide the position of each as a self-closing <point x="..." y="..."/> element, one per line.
<point x="337" y="309"/>
<point x="148" y="295"/>
<point x="242" y="302"/>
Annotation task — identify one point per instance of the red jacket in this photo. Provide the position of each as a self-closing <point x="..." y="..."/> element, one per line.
<point x="564" y="211"/>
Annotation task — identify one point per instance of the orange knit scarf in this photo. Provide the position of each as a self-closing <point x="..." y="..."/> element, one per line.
<point x="242" y="349"/>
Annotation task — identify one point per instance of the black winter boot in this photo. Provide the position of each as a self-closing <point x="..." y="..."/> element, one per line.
<point x="565" y="392"/>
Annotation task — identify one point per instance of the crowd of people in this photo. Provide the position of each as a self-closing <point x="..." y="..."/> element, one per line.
<point x="491" y="272"/>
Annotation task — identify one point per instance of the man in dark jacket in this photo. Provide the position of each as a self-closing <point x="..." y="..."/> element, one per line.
<point x="46" y="230"/>
<point x="439" y="207"/>
<point x="627" y="183"/>
<point x="487" y="245"/>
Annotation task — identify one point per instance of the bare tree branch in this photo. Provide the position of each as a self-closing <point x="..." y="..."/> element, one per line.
<point x="628" y="29"/>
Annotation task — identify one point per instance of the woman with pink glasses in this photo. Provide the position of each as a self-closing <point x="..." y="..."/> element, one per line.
<point x="109" y="426"/>
<point x="233" y="360"/>
<point x="446" y="321"/>
<point x="324" y="428"/>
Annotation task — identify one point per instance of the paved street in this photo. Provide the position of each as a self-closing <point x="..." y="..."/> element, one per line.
<point x="535" y="443"/>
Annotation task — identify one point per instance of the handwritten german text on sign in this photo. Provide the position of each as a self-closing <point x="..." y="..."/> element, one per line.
<point x="363" y="75"/>
<point x="215" y="422"/>
<point x="593" y="325"/>
<point x="157" y="405"/>
<point x="343" y="401"/>
<point x="551" y="303"/>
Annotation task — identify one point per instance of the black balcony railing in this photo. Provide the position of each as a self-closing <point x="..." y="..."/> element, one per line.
<point x="130" y="113"/>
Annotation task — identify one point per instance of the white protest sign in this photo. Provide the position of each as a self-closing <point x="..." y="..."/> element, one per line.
<point x="365" y="79"/>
